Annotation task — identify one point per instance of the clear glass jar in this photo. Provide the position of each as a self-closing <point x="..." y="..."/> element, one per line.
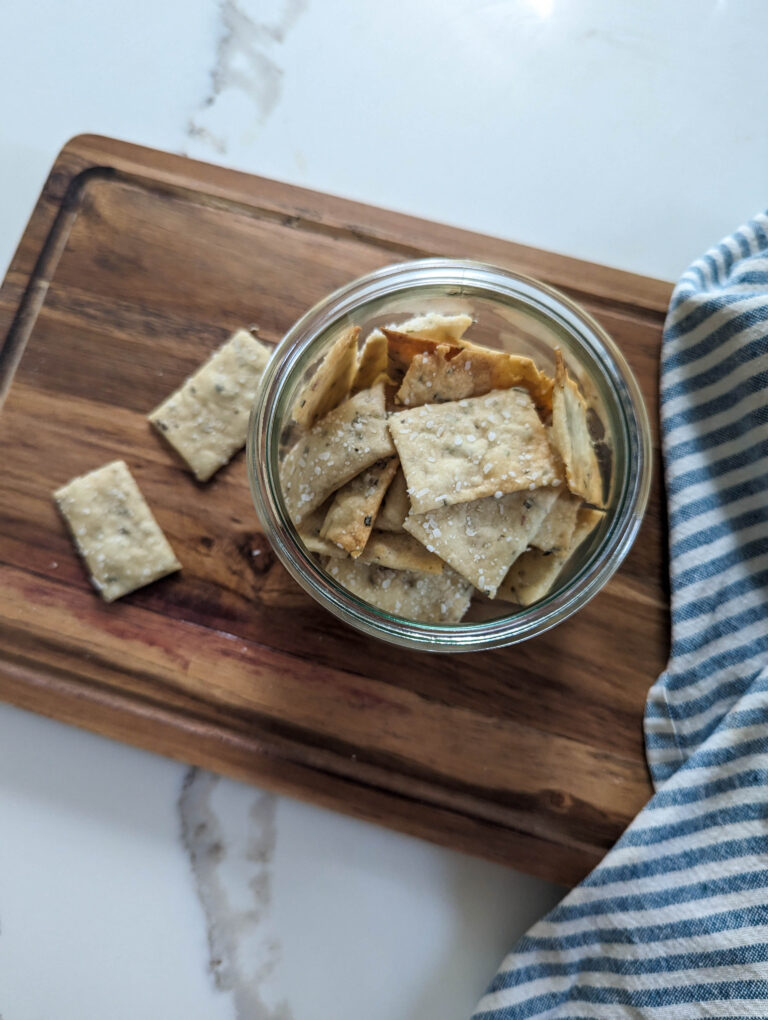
<point x="513" y="313"/>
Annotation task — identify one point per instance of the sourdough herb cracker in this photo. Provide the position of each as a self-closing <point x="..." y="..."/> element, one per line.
<point x="468" y="449"/>
<point x="206" y="419"/>
<point x="114" y="530"/>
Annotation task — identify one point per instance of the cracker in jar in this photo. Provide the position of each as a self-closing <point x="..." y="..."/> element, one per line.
<point x="349" y="521"/>
<point x="331" y="381"/>
<point x="372" y="361"/>
<point x="570" y="435"/>
<point x="534" y="574"/>
<point x="395" y="506"/>
<point x="556" y="530"/>
<point x="446" y="373"/>
<point x="334" y="450"/>
<point x="435" y="326"/>
<point x="482" y="538"/>
<point x="310" y="529"/>
<point x="469" y="449"/>
<point x="400" y="552"/>
<point x="427" y="598"/>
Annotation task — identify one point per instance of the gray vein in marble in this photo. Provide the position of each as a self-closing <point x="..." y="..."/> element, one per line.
<point x="231" y="863"/>
<point x="247" y="61"/>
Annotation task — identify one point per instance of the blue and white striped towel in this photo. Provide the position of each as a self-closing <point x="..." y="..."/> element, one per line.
<point x="674" y="922"/>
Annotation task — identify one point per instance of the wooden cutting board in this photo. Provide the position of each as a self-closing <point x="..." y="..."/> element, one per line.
<point x="134" y="266"/>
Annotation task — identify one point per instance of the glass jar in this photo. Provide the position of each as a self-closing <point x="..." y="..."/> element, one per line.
<point x="512" y="313"/>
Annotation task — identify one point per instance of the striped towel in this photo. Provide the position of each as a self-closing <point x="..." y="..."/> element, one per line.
<point x="674" y="922"/>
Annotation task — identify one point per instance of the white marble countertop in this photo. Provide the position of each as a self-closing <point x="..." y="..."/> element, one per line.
<point x="631" y="135"/>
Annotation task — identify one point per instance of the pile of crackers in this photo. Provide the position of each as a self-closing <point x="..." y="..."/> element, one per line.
<point x="425" y="470"/>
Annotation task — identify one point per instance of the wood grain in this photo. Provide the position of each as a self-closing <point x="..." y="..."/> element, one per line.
<point x="134" y="265"/>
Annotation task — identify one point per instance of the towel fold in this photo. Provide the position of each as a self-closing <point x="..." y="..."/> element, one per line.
<point x="673" y="923"/>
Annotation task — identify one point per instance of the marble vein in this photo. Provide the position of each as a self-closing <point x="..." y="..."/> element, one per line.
<point x="231" y="863"/>
<point x="246" y="79"/>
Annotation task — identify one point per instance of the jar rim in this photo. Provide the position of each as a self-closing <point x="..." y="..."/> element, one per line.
<point x="265" y="426"/>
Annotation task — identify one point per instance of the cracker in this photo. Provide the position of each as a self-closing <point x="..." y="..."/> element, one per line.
<point x="556" y="530"/>
<point x="372" y="362"/>
<point x="427" y="598"/>
<point x="570" y="435"/>
<point x="402" y="348"/>
<point x="468" y="449"/>
<point x="483" y="538"/>
<point x="534" y="574"/>
<point x="309" y="533"/>
<point x="446" y="373"/>
<point x="336" y="448"/>
<point x="395" y="506"/>
<point x="434" y="326"/>
<point x="122" y="544"/>
<point x="331" y="381"/>
<point x="206" y="419"/>
<point x="400" y="552"/>
<point x="349" y="521"/>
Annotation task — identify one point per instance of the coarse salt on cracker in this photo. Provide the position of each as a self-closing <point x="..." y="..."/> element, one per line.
<point x="336" y="448"/>
<point x="468" y="449"/>
<point x="570" y="435"/>
<point x="481" y="539"/>
<point x="206" y="419"/>
<point x="400" y="552"/>
<point x="534" y="574"/>
<point x="331" y="381"/>
<point x="349" y="521"/>
<point x="428" y="598"/>
<point x="114" y="530"/>
<point x="448" y="373"/>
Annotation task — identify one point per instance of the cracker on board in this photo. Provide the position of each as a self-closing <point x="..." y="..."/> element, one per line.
<point x="448" y="373"/>
<point x="331" y="381"/>
<point x="395" y="506"/>
<point x="372" y="361"/>
<point x="570" y="435"/>
<point x="335" y="449"/>
<point x="206" y="419"/>
<point x="481" y="539"/>
<point x="556" y="530"/>
<point x="400" y="552"/>
<point x="349" y="520"/>
<point x="427" y="598"/>
<point x="114" y="530"/>
<point x="533" y="575"/>
<point x="468" y="449"/>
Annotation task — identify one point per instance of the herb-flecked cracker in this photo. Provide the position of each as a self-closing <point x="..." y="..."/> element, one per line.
<point x="336" y="448"/>
<point x="122" y="544"/>
<point x="395" y="506"/>
<point x="481" y="539"/>
<point x="570" y="435"/>
<point x="331" y="381"/>
<point x="400" y="552"/>
<point x="435" y="326"/>
<point x="428" y="598"/>
<point x="468" y="449"/>
<point x="349" y="521"/>
<point x="309" y="533"/>
<point x="533" y="575"/>
<point x="446" y="373"/>
<point x="556" y="530"/>
<point x="206" y="419"/>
